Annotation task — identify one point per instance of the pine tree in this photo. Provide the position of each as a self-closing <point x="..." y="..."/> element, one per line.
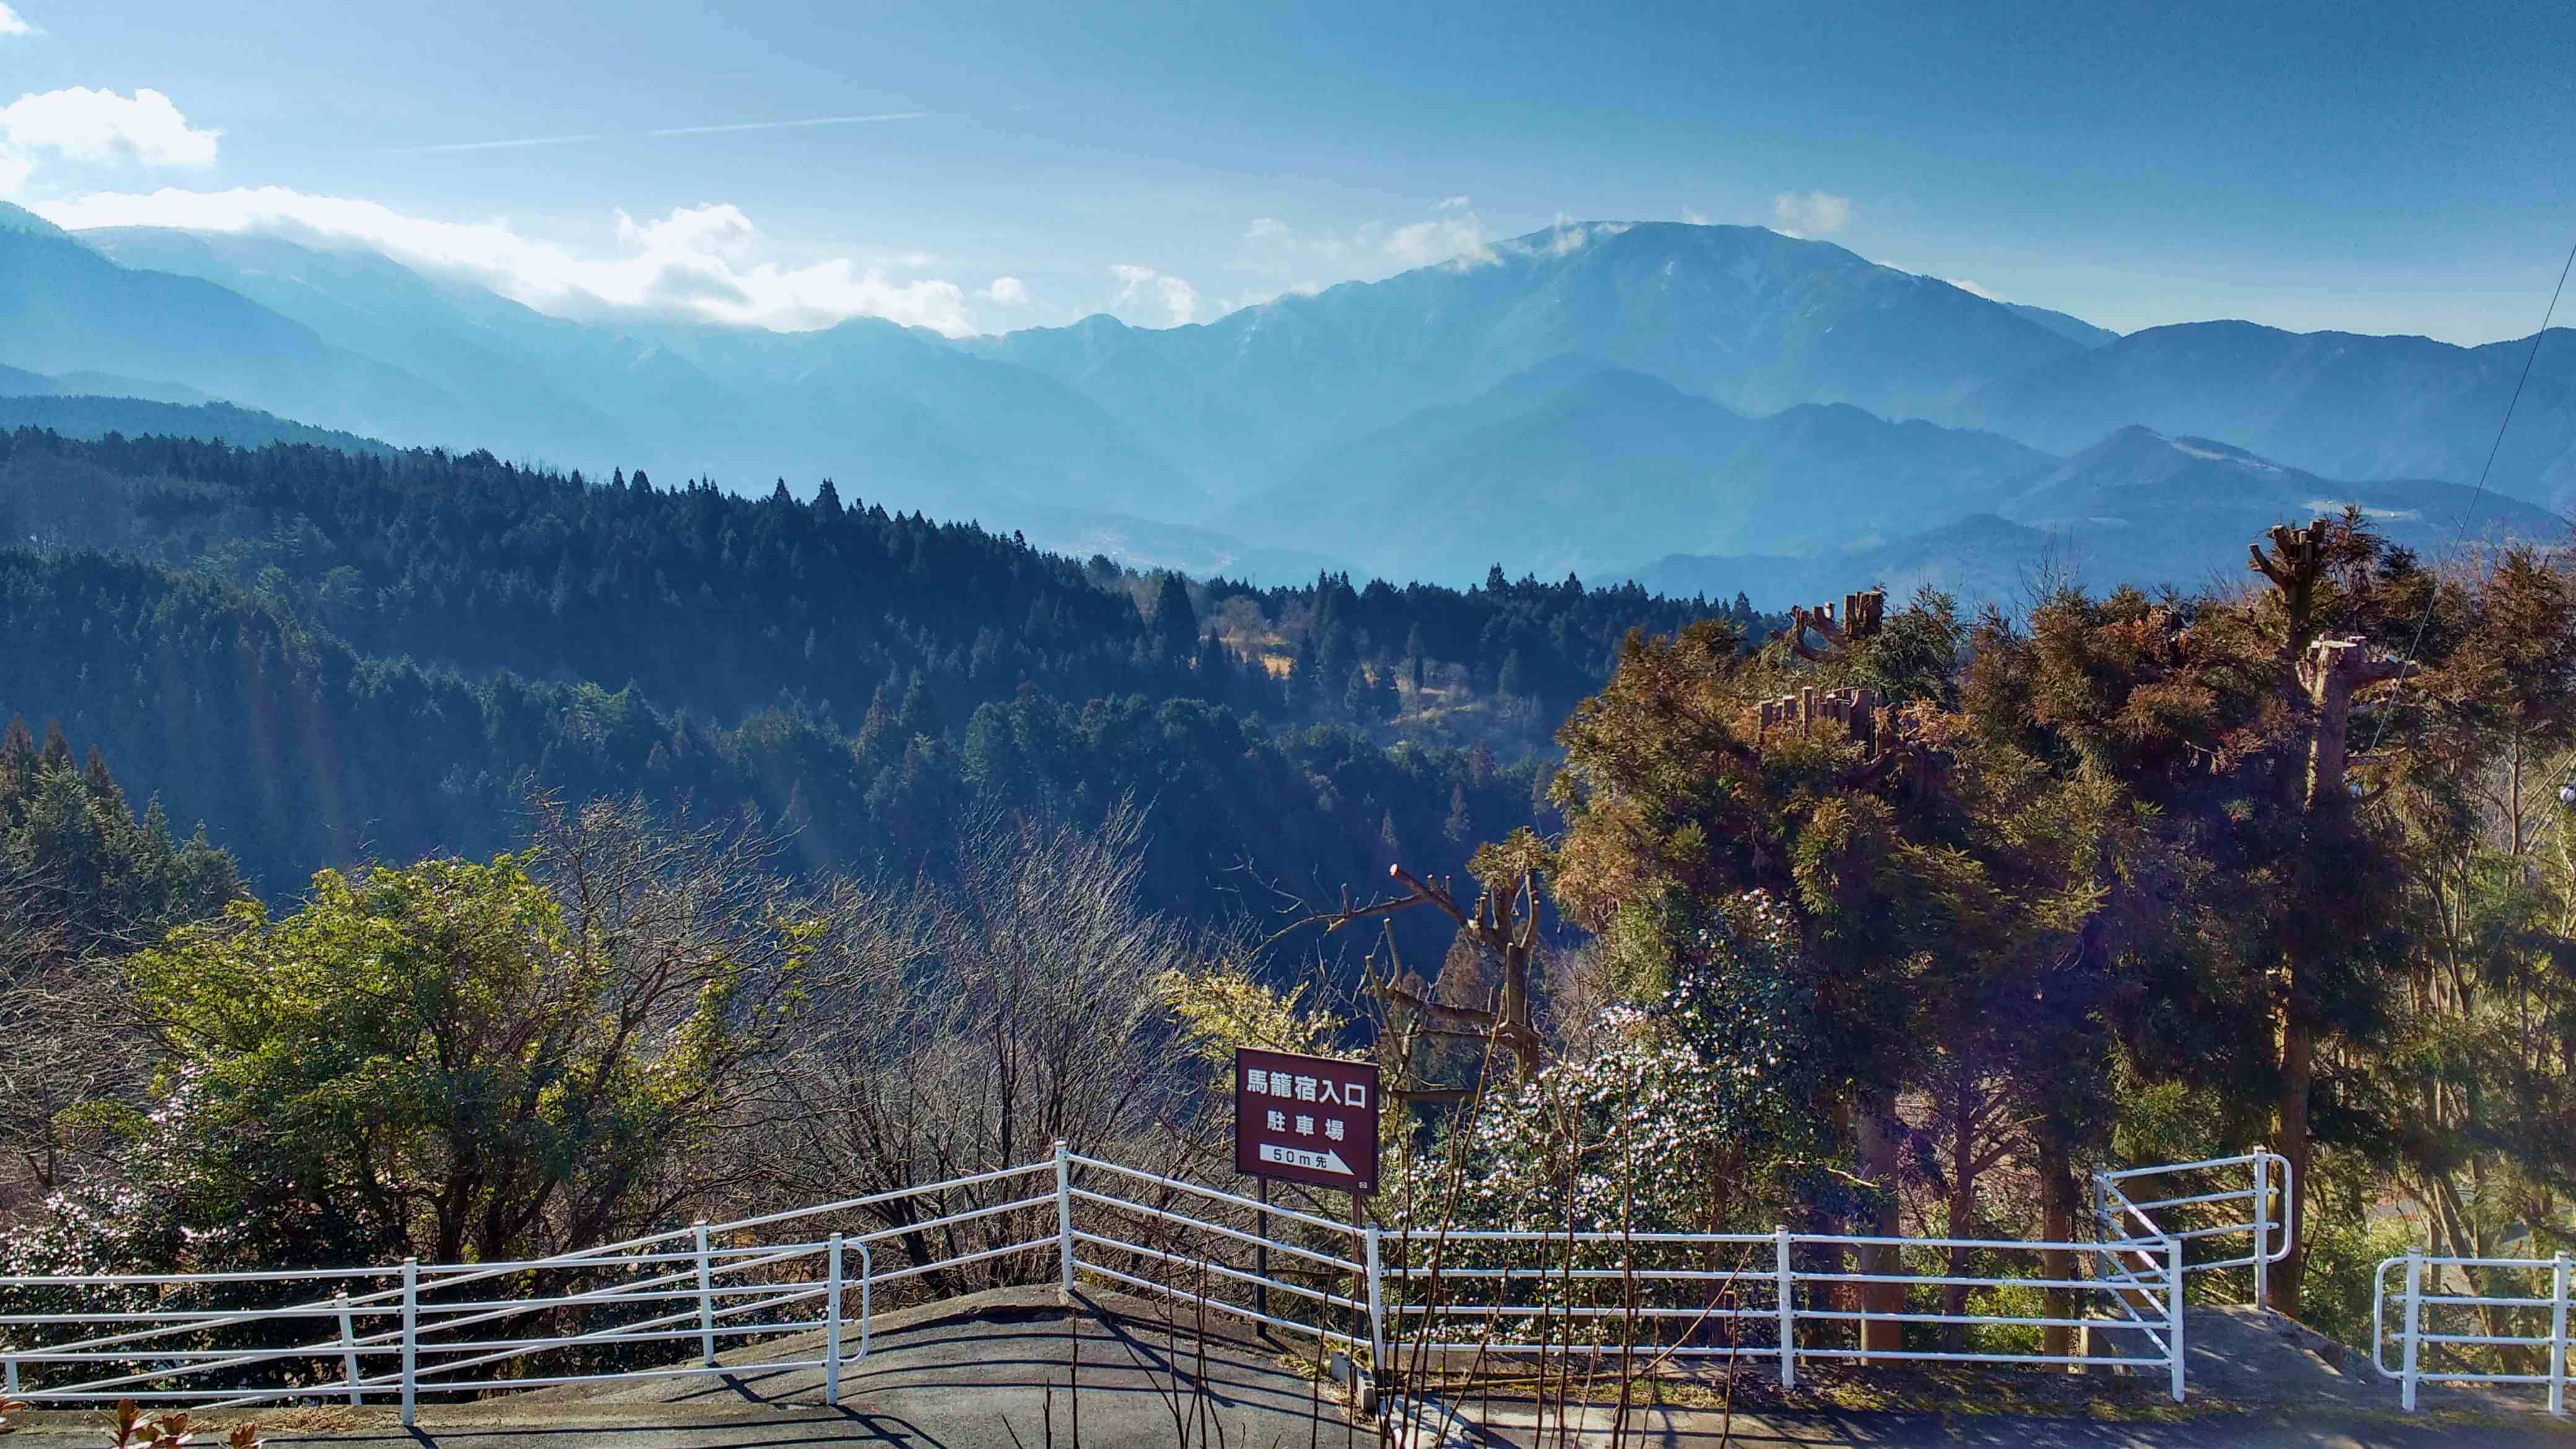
<point x="1460" y="826"/>
<point x="1175" y="623"/>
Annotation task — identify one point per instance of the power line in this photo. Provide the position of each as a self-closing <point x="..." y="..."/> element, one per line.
<point x="2469" y="509"/>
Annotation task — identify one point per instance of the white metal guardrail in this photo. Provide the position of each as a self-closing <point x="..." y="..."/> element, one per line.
<point x="2250" y="1201"/>
<point x="751" y="1296"/>
<point x="1778" y="1296"/>
<point x="2473" y="1321"/>
<point x="603" y="1314"/>
<point x="1220" y="1252"/>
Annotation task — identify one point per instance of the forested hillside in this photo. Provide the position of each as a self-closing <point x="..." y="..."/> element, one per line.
<point x="328" y="655"/>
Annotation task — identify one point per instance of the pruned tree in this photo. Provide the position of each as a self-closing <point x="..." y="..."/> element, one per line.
<point x="1501" y="931"/>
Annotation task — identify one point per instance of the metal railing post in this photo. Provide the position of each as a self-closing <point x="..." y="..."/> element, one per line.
<point x="348" y="1346"/>
<point x="1064" y="1216"/>
<point x="867" y="1295"/>
<point x="2173" y="1312"/>
<point x="1377" y="1305"/>
<point x="706" y="1299"/>
<point x="2558" y="1336"/>
<point x="832" y="1325"/>
<point x="410" y="1337"/>
<point x="9" y="1377"/>
<point x="1787" y="1287"/>
<point x="2413" y="1329"/>
<point x="2262" y="1231"/>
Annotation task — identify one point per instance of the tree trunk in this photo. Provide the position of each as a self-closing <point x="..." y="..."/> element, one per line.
<point x="2294" y="1143"/>
<point x="2057" y="1198"/>
<point x="1873" y="1130"/>
<point x="1961" y="1221"/>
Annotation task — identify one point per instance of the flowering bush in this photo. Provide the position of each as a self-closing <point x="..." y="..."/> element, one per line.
<point x="1690" y="1113"/>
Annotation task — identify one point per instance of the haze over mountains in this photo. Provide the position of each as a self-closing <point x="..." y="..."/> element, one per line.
<point x="1593" y="398"/>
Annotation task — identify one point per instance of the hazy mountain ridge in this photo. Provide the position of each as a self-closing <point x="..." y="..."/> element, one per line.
<point x="84" y="414"/>
<point x="2136" y="507"/>
<point x="1570" y="400"/>
<point x="2338" y="403"/>
<point x="1565" y="468"/>
<point x="1742" y="315"/>
<point x="66" y="308"/>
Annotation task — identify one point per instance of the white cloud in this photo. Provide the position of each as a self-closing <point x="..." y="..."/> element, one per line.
<point x="1139" y="286"/>
<point x="1007" y="292"/>
<point x="1813" y="213"/>
<point x="1694" y="217"/>
<point x="11" y="24"/>
<point x="1454" y="233"/>
<point x="1453" y="236"/>
<point x="1964" y="285"/>
<point x="91" y="127"/>
<point x="698" y="262"/>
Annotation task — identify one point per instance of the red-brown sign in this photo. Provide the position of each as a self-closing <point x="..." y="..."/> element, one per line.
<point x="1306" y="1119"/>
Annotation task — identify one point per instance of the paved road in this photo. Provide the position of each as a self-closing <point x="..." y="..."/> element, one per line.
<point x="991" y="1373"/>
<point x="1698" y="1429"/>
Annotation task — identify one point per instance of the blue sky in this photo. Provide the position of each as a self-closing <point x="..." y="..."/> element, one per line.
<point x="2383" y="168"/>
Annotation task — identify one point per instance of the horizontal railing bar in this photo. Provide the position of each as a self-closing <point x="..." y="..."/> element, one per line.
<point x="1217" y="1194"/>
<point x="1302" y="1291"/>
<point x="1748" y="1350"/>
<point x="962" y="1259"/>
<point x="1021" y="1205"/>
<point x="2193" y="1234"/>
<point x="1803" y="1240"/>
<point x="184" y="1280"/>
<point x="1220" y="1305"/>
<point x="667" y="1295"/>
<point x="1542" y="1235"/>
<point x="1602" y="1310"/>
<point x="471" y="1386"/>
<point x="2230" y="1195"/>
<point x="1969" y="1320"/>
<point x="1253" y="1239"/>
<point x="2242" y="1159"/>
<point x="2059" y="1360"/>
<point x="870" y="1200"/>
<point x="1772" y="1352"/>
<point x="606" y="1337"/>
<point x="2091" y="1284"/>
<point x="1749" y="1276"/>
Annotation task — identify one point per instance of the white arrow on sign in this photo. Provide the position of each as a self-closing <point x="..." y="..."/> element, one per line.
<point x="1299" y="1157"/>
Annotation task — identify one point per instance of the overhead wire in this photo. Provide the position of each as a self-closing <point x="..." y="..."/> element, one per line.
<point x="2469" y="509"/>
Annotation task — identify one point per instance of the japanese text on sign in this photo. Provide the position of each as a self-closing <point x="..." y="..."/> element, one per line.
<point x="1306" y="1119"/>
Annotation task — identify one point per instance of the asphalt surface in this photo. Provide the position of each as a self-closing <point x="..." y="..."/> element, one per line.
<point x="995" y="1372"/>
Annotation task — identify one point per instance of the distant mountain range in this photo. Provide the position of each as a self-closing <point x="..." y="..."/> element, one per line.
<point x="1567" y="467"/>
<point x="1580" y="399"/>
<point x="2137" y="506"/>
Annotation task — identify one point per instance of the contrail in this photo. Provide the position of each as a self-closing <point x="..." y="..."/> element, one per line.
<point x="492" y="145"/>
<point x="784" y="125"/>
<point x="527" y="141"/>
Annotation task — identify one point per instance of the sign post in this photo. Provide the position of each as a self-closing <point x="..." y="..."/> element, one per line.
<point x="1304" y="1119"/>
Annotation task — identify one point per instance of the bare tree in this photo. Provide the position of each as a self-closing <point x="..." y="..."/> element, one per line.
<point x="964" y="1025"/>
